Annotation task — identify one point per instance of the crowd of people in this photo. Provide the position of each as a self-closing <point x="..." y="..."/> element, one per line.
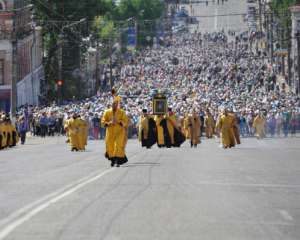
<point x="10" y="133"/>
<point x="198" y="73"/>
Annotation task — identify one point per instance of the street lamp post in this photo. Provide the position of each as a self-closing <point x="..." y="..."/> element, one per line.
<point x="110" y="64"/>
<point x="60" y="46"/>
<point x="298" y="61"/>
<point x="15" y="64"/>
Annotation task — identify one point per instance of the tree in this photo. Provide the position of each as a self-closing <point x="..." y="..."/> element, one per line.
<point x="145" y="12"/>
<point x="106" y="33"/>
<point x="54" y="16"/>
<point x="57" y="18"/>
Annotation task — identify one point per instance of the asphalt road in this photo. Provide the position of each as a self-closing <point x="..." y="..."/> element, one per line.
<point x="217" y="17"/>
<point x="250" y="192"/>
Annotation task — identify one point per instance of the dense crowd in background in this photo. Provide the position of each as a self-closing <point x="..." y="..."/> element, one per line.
<point x="196" y="72"/>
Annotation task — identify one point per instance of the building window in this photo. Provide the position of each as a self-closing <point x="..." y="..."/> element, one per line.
<point x="1" y="72"/>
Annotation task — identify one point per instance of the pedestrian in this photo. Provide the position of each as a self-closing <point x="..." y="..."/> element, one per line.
<point x="72" y="127"/>
<point x="271" y="122"/>
<point x="22" y="128"/>
<point x="259" y="126"/>
<point x="194" y="124"/>
<point x="115" y="121"/>
<point x="43" y="122"/>
<point x="96" y="126"/>
<point x="209" y="124"/>
<point x="147" y="130"/>
<point x="224" y="125"/>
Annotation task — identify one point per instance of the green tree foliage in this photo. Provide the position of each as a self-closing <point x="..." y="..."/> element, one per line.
<point x="280" y="6"/>
<point x="145" y="12"/>
<point x="102" y="18"/>
<point x="53" y="15"/>
<point x="104" y="28"/>
<point x="282" y="18"/>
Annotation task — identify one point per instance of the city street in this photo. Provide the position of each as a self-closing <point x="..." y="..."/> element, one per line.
<point x="250" y="192"/>
<point x="73" y="54"/>
<point x="217" y="17"/>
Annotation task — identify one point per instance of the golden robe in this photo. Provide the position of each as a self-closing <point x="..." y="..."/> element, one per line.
<point x="116" y="134"/>
<point x="72" y="126"/>
<point x="194" y="124"/>
<point x="235" y="129"/>
<point x="82" y="134"/>
<point x="209" y="126"/>
<point x="7" y="130"/>
<point x="143" y="128"/>
<point x="259" y="126"/>
<point x="66" y="122"/>
<point x="12" y="131"/>
<point x="225" y="124"/>
<point x="186" y="130"/>
<point x="3" y="135"/>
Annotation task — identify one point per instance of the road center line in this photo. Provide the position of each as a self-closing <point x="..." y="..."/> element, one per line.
<point x="286" y="216"/>
<point x="21" y="216"/>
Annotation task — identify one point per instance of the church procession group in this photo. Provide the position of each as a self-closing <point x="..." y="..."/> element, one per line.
<point x="165" y="130"/>
<point x="11" y="134"/>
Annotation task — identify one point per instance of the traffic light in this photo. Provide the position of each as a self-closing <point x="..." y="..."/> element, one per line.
<point x="59" y="83"/>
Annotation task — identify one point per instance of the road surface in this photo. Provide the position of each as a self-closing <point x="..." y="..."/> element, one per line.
<point x="217" y="17"/>
<point x="250" y="192"/>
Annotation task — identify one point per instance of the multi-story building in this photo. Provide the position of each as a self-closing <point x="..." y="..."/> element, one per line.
<point x="18" y="33"/>
<point x="295" y="10"/>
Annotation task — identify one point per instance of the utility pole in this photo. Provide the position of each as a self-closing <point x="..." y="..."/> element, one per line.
<point x="15" y="65"/>
<point x="260" y="16"/>
<point x="110" y="64"/>
<point x="298" y="62"/>
<point x="289" y="57"/>
<point x="60" y="67"/>
<point x="32" y="65"/>
<point x="298" y="57"/>
<point x="271" y="39"/>
<point x="282" y="58"/>
<point x="97" y="65"/>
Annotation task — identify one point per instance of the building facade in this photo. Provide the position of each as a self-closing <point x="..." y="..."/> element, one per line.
<point x="17" y="30"/>
<point x="295" y="10"/>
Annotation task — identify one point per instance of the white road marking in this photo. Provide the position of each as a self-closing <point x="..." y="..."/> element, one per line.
<point x="256" y="185"/>
<point x="21" y="216"/>
<point x="286" y="215"/>
<point x="25" y="209"/>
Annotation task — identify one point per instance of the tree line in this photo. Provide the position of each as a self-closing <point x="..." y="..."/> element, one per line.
<point x="67" y="23"/>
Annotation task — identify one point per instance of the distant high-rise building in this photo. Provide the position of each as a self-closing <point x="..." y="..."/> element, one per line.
<point x="17" y="28"/>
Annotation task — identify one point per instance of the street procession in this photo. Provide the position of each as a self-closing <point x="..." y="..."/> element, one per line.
<point x="150" y="119"/>
<point x="227" y="98"/>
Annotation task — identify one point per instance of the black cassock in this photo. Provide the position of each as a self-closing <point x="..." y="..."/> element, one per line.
<point x="179" y="138"/>
<point x="152" y="137"/>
